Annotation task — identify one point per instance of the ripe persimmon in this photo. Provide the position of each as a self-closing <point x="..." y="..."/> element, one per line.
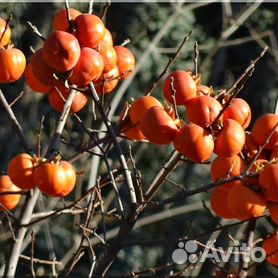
<point x="88" y="68"/>
<point x="12" y="64"/>
<point x="157" y="126"/>
<point x="60" y="21"/>
<point x="107" y="37"/>
<point x="240" y="111"/>
<point x="109" y="56"/>
<point x="9" y="201"/>
<point x="33" y="81"/>
<point x="90" y="30"/>
<point x="140" y="106"/>
<point x="57" y="101"/>
<point x="61" y="51"/>
<point x="262" y="129"/>
<point x="270" y="245"/>
<point x="194" y="142"/>
<point x="230" y="140"/>
<point x="42" y="71"/>
<point x="20" y="171"/>
<point x="250" y="148"/>
<point x="133" y="132"/>
<point x="107" y="82"/>
<point x="225" y="167"/>
<point x="268" y="180"/>
<point x="256" y="168"/>
<point x="245" y="203"/>
<point x="55" y="179"/>
<point x="184" y="86"/>
<point x="203" y="110"/>
<point x="125" y="61"/>
<point x="218" y="202"/>
<point x="5" y="33"/>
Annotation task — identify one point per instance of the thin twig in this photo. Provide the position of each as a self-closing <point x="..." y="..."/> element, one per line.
<point x="234" y="90"/>
<point x="39" y="261"/>
<point x="91" y="7"/>
<point x="40" y="137"/>
<point x="243" y="272"/>
<point x="32" y="254"/>
<point x="116" y="144"/>
<point x="104" y="10"/>
<point x="10" y="226"/>
<point x="15" y="123"/>
<point x="31" y="200"/>
<point x="35" y="30"/>
<point x="17" y="99"/>
<point x="168" y="66"/>
<point x="106" y="161"/>
<point x="196" y="58"/>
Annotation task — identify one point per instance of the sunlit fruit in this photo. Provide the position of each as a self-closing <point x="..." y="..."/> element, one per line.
<point x="270" y="245"/>
<point x="268" y="180"/>
<point x="107" y="82"/>
<point x="42" y="71"/>
<point x="90" y="30"/>
<point x="140" y="106"/>
<point x="12" y="64"/>
<point x="33" y="82"/>
<point x="230" y="140"/>
<point x="55" y="179"/>
<point x="184" y="85"/>
<point x="218" y="203"/>
<point x="58" y="96"/>
<point x="262" y="130"/>
<point x="194" y="142"/>
<point x="61" y="51"/>
<point x="203" y="110"/>
<point x="157" y="126"/>
<point x="240" y="111"/>
<point x="9" y="201"/>
<point x="20" y="171"/>
<point x="88" y="68"/>
<point x="225" y="167"/>
<point x="125" y="61"/>
<point x="245" y="203"/>
<point x="5" y="33"/>
<point x="60" y="21"/>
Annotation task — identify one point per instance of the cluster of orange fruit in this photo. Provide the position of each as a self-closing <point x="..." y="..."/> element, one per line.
<point x="54" y="178"/>
<point x="213" y="129"/>
<point x="80" y="50"/>
<point x="207" y="132"/>
<point x="12" y="60"/>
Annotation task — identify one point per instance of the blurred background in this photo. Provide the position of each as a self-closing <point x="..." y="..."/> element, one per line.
<point x="229" y="35"/>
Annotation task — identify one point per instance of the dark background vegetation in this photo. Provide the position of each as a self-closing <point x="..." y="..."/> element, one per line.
<point x="220" y="67"/>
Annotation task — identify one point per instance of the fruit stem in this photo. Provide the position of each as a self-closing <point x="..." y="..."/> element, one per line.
<point x="173" y="95"/>
<point x="196" y="58"/>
